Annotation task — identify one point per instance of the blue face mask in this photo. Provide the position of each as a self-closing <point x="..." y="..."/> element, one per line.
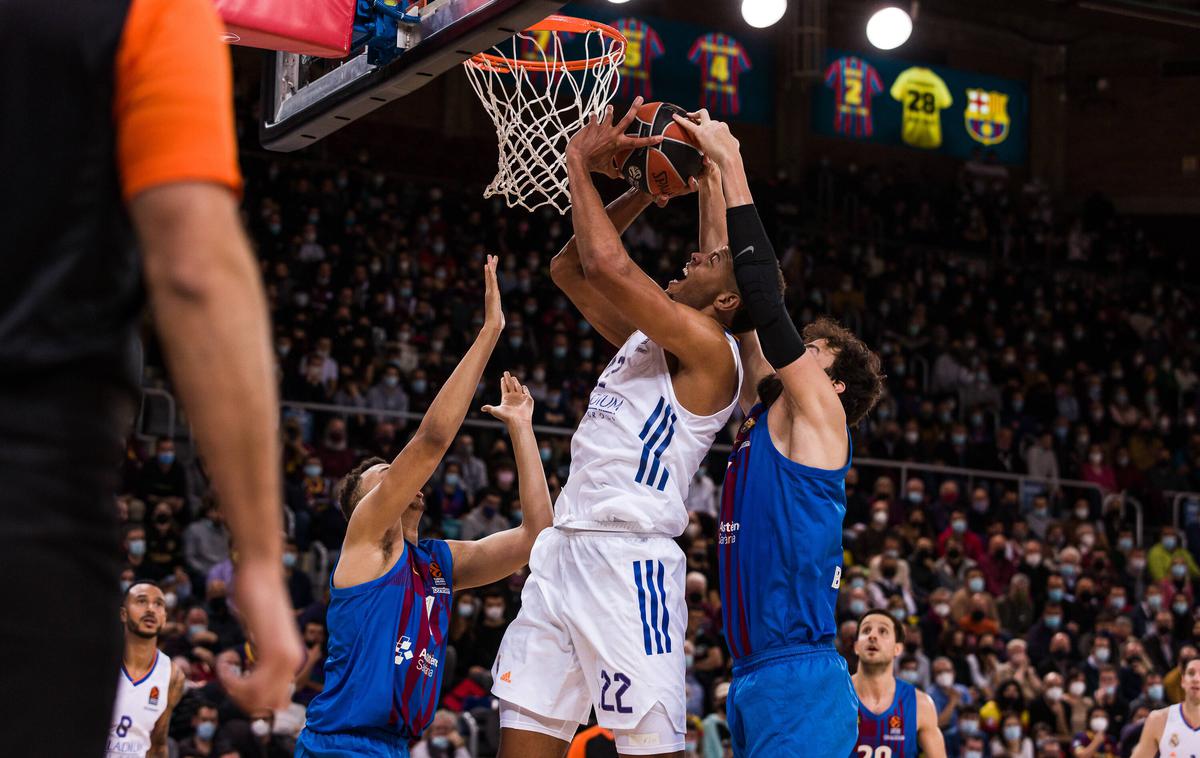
<point x="137" y="547"/>
<point x="419" y="386"/>
<point x="1169" y="543"/>
<point x="1155" y="691"/>
<point x="975" y="584"/>
<point x="915" y="497"/>
<point x="1180" y="608"/>
<point x="289" y="560"/>
<point x="1125" y="544"/>
<point x="1179" y="571"/>
<point x="1067" y="570"/>
<point x="206" y="730"/>
<point x="959" y="526"/>
<point x="439" y="742"/>
<point x="1054" y="595"/>
<point x="545" y="454"/>
<point x="166" y="459"/>
<point x="194" y="629"/>
<point x="452" y="480"/>
<point x="1053" y="622"/>
<point x="1012" y="733"/>
<point x="312" y="471"/>
<point x="858" y="607"/>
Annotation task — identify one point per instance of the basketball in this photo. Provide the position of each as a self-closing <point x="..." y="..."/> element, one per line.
<point x="665" y="168"/>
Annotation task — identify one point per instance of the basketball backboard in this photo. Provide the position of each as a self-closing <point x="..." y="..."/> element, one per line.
<point x="306" y="98"/>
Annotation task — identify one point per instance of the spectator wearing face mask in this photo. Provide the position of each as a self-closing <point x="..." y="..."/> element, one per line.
<point x="1154" y="694"/>
<point x="163" y="478"/>
<point x="870" y="541"/>
<point x="1161" y="557"/>
<point x="485" y="518"/>
<point x="205" y="722"/>
<point x="482" y="642"/>
<point x="1041" y="633"/>
<point x="971" y="543"/>
<point x="298" y="583"/>
<point x="1178" y="583"/>
<point x="1011" y="741"/>
<point x="473" y="469"/>
<point x="164" y="543"/>
<point x="335" y="453"/>
<point x="973" y="747"/>
<point x="387" y="394"/>
<point x="450" y="499"/>
<point x="1079" y="697"/>
<point x="442" y="739"/>
<point x="1050" y="708"/>
<point x="1096" y="741"/>
<point x="948" y="697"/>
<point x="1160" y="645"/>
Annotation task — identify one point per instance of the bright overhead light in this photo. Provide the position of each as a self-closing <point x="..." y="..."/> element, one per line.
<point x="889" y="28"/>
<point x="618" y="2"/>
<point x="762" y="13"/>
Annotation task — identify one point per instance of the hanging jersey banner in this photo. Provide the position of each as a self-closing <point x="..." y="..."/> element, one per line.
<point x="728" y="71"/>
<point x="928" y="108"/>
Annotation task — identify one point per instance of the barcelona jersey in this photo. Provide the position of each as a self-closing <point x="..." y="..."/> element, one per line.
<point x="893" y="733"/>
<point x="922" y="95"/>
<point x="387" y="648"/>
<point x="643" y="46"/>
<point x="780" y="545"/>
<point x="855" y="84"/>
<point x="721" y="59"/>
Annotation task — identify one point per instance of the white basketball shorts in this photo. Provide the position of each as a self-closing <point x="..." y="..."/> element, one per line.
<point x="601" y="625"/>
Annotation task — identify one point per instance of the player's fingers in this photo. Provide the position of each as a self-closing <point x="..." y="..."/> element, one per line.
<point x="703" y="116"/>
<point x="607" y="119"/>
<point x="687" y="125"/>
<point x="525" y="390"/>
<point x="631" y="114"/>
<point x="488" y="410"/>
<point x="625" y="141"/>
<point x="693" y="184"/>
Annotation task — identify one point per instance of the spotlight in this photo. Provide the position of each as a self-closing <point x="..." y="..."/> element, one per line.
<point x="762" y="13"/>
<point x="889" y="28"/>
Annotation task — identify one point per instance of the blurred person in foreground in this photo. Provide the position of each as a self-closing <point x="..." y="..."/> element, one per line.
<point x="892" y="713"/>
<point x="1169" y="731"/>
<point x="784" y="497"/>
<point x="391" y="592"/>
<point x="122" y="187"/>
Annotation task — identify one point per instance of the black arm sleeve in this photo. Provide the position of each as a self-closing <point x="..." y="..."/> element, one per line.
<point x="757" y="272"/>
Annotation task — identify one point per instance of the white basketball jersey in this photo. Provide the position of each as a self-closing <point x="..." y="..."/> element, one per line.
<point x="636" y="448"/>
<point x="139" y="704"/>
<point x="1179" y="739"/>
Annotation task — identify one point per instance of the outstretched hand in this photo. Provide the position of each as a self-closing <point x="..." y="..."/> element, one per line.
<point x="516" y="404"/>
<point x="713" y="137"/>
<point x="600" y="140"/>
<point x="494" y="318"/>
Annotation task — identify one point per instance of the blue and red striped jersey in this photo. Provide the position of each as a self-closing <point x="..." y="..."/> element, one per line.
<point x="722" y="59"/>
<point x="387" y="647"/>
<point x="895" y="729"/>
<point x="779" y="545"/>
<point x="855" y="82"/>
<point x="643" y="46"/>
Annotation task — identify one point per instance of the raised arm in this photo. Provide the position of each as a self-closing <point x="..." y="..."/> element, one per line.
<point x="498" y="555"/>
<point x="695" y="339"/>
<point x="929" y="736"/>
<point x="808" y="388"/>
<point x="382" y="507"/>
<point x="567" y="271"/>
<point x="714" y="232"/>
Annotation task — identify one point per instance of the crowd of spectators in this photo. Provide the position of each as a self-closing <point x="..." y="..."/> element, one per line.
<point x="1039" y="617"/>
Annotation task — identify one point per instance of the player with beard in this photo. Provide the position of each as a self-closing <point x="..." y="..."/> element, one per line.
<point x="150" y="685"/>
<point x="895" y="719"/>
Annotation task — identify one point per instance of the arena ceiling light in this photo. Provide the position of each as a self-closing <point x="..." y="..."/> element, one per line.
<point x="762" y="13"/>
<point x="618" y="2"/>
<point x="889" y="28"/>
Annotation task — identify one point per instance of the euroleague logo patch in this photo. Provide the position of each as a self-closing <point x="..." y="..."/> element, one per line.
<point x="154" y="696"/>
<point x="635" y="173"/>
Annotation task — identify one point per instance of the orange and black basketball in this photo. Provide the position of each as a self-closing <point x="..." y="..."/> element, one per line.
<point x="665" y="168"/>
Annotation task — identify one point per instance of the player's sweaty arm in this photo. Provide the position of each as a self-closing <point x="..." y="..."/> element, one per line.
<point x="206" y="294"/>
<point x="567" y="272"/>
<point x="1152" y="731"/>
<point x="412" y="467"/>
<point x="495" y="557"/>
<point x="806" y="385"/>
<point x="929" y="737"/>
<point x="694" y="339"/>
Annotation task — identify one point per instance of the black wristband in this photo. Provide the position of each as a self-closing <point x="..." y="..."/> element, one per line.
<point x="757" y="272"/>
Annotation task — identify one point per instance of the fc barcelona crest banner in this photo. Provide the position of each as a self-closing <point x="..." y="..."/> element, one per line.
<point x="872" y="98"/>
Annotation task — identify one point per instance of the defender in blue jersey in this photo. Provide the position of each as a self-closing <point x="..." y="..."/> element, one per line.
<point x="784" y="498"/>
<point x="895" y="719"/>
<point x="390" y="595"/>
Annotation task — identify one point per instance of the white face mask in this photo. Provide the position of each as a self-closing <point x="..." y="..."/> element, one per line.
<point x="945" y="680"/>
<point x="260" y="727"/>
<point x="1077" y="688"/>
<point x="1033" y="559"/>
<point x="1054" y="694"/>
<point x="1099" y="724"/>
<point x="494" y="613"/>
<point x="942" y="609"/>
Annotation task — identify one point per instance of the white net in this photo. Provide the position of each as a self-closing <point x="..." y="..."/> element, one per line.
<point x="536" y="107"/>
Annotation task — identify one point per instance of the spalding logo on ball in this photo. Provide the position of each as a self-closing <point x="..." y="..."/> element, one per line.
<point x="665" y="168"/>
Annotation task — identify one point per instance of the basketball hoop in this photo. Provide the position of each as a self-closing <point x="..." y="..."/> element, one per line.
<point x="538" y="91"/>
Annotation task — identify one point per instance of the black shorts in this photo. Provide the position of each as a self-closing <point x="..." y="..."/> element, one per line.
<point x="61" y="443"/>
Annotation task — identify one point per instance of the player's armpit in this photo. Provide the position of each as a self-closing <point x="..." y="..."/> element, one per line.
<point x="811" y="393"/>
<point x="929" y="736"/>
<point x="492" y="558"/>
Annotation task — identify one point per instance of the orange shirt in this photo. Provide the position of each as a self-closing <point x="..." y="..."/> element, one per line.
<point x="173" y="98"/>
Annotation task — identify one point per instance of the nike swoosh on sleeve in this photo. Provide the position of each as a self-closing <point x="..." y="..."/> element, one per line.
<point x="749" y="249"/>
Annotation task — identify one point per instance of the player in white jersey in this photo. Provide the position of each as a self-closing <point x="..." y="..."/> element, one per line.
<point x="150" y="685"/>
<point x="1174" y="731"/>
<point x="603" y="614"/>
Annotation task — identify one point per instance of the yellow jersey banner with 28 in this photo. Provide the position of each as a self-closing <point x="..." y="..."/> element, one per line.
<point x="927" y="108"/>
